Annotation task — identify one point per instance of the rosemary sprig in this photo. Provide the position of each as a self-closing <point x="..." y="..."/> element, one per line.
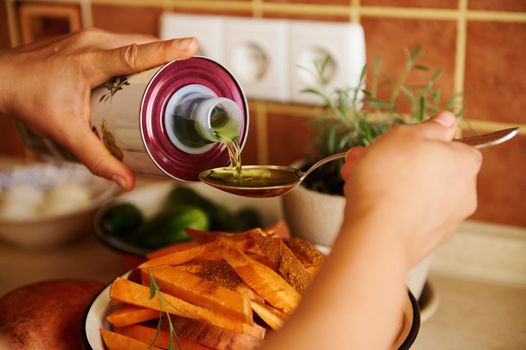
<point x="155" y="290"/>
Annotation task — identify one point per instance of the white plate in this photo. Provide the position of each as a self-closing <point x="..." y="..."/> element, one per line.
<point x="100" y="307"/>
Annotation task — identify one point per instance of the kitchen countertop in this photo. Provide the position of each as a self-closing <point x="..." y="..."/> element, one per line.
<point x="471" y="314"/>
<point x="480" y="278"/>
<point x="474" y="315"/>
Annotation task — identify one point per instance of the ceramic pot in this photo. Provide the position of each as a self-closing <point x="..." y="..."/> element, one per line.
<point x="317" y="217"/>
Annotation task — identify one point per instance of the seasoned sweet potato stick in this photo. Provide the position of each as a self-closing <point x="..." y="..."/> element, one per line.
<point x="172" y="248"/>
<point x="305" y="251"/>
<point x="207" y="251"/>
<point x="147" y="334"/>
<point x="222" y="274"/>
<point x="133" y="293"/>
<point x="201" y="292"/>
<point x="279" y="229"/>
<point x="273" y="317"/>
<point x="128" y="314"/>
<point x="284" y="261"/>
<point x="115" y="341"/>
<point x="267" y="283"/>
<point x="215" y="337"/>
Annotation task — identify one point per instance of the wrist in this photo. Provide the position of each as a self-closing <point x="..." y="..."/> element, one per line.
<point x="379" y="228"/>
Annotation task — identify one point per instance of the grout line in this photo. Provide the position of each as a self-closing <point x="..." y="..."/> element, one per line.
<point x="86" y="13"/>
<point x="12" y="22"/>
<point x="312" y="9"/>
<point x="262" y="133"/>
<point x="257" y="9"/>
<point x="149" y="3"/>
<point x="355" y="11"/>
<point x="329" y="10"/>
<point x="292" y="109"/>
<point x="496" y="16"/>
<point x="460" y="51"/>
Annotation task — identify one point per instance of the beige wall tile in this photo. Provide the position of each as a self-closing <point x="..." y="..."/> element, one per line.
<point x="495" y="71"/>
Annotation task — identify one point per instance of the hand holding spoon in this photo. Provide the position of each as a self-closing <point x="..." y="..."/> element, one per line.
<point x="264" y="181"/>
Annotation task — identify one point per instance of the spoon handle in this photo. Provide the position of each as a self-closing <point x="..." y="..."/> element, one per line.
<point x="477" y="141"/>
<point x="490" y="139"/>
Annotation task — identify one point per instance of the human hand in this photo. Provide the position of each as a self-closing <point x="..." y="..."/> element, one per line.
<point x="415" y="180"/>
<point x="48" y="85"/>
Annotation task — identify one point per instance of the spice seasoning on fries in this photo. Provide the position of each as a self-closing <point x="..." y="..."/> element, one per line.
<point x="209" y="293"/>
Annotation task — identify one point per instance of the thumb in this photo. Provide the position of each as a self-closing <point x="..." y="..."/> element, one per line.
<point x="350" y="159"/>
<point x="441" y="127"/>
<point x="135" y="58"/>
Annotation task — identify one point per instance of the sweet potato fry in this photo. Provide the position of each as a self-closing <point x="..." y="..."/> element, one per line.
<point x="305" y="251"/>
<point x="147" y="335"/>
<point x="172" y="248"/>
<point x="267" y="283"/>
<point x="128" y="314"/>
<point x="115" y="341"/>
<point x="284" y="261"/>
<point x="273" y="317"/>
<point x="207" y="251"/>
<point x="279" y="229"/>
<point x="215" y="337"/>
<point x="222" y="274"/>
<point x="201" y="292"/>
<point x="133" y="293"/>
<point x="242" y="239"/>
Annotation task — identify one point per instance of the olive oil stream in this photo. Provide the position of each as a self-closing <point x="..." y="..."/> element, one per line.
<point x="238" y="176"/>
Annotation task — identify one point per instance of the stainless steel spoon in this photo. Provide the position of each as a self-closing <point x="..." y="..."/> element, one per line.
<point x="263" y="181"/>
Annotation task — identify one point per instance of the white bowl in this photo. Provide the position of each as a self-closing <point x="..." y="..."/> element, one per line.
<point x="52" y="229"/>
<point x="150" y="198"/>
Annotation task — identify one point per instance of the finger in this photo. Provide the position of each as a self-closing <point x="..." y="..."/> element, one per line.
<point x="98" y="39"/>
<point x="135" y="58"/>
<point x="442" y="127"/>
<point x="350" y="159"/>
<point x="91" y="152"/>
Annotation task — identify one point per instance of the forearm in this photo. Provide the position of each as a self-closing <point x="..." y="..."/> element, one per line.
<point x="6" y="81"/>
<point x="357" y="299"/>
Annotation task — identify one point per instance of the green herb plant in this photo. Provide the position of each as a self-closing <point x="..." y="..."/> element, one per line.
<point x="356" y="116"/>
<point x="155" y="290"/>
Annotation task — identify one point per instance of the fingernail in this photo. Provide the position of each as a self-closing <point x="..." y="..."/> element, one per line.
<point x="184" y="44"/>
<point x="119" y="180"/>
<point x="445" y="118"/>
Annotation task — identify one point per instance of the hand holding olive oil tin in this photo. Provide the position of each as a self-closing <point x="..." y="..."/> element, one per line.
<point x="168" y="120"/>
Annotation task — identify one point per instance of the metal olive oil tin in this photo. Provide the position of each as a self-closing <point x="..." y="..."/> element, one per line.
<point x="133" y="117"/>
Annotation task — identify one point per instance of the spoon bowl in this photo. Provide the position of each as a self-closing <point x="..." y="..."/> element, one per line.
<point x="263" y="181"/>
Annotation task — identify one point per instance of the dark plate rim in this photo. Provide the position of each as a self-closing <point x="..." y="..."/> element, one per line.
<point x="409" y="340"/>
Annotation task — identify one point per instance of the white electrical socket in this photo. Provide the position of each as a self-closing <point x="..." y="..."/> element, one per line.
<point x="311" y="41"/>
<point x="256" y="51"/>
<point x="274" y="59"/>
<point x="209" y="30"/>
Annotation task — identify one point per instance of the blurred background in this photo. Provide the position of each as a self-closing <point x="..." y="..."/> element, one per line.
<point x="480" y="45"/>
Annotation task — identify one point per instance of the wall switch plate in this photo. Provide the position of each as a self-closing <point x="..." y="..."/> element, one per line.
<point x="209" y="30"/>
<point x="256" y="53"/>
<point x="310" y="41"/>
